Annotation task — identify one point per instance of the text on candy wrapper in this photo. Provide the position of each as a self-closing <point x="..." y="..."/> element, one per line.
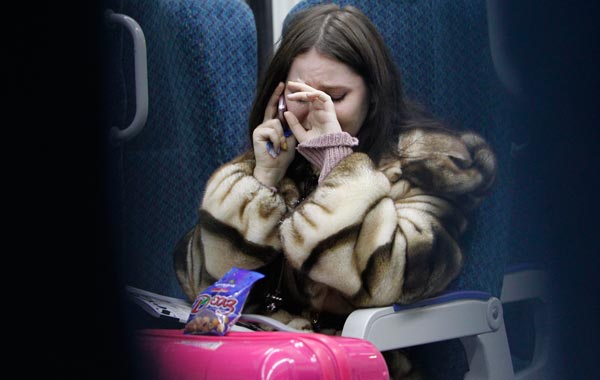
<point x="225" y="304"/>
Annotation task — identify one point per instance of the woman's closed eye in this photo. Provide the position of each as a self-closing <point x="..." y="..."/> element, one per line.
<point x="337" y="98"/>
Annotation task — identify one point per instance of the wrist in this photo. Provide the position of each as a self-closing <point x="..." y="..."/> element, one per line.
<point x="268" y="177"/>
<point x="326" y="151"/>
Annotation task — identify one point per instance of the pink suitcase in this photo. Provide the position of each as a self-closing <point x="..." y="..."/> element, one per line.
<point x="259" y="355"/>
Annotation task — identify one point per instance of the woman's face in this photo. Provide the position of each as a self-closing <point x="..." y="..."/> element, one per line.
<point x="346" y="88"/>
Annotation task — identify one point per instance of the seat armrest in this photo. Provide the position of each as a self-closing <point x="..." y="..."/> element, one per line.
<point x="475" y="318"/>
<point x="453" y="315"/>
<point x="529" y="282"/>
<point x="525" y="284"/>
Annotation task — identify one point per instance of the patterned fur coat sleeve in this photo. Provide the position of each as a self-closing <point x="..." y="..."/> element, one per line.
<point x="368" y="235"/>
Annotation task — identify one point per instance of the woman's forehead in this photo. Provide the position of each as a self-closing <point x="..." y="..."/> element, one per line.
<point x="321" y="71"/>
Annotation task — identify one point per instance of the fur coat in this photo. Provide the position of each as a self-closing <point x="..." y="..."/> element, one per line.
<point x="370" y="234"/>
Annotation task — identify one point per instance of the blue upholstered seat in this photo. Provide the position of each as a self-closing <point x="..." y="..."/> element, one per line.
<point x="202" y="69"/>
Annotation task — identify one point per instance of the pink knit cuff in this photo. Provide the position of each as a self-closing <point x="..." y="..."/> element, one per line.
<point x="326" y="151"/>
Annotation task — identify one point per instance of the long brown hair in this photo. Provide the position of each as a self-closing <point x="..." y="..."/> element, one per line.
<point x="347" y="35"/>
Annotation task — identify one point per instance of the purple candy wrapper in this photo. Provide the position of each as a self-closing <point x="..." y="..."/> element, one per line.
<point x="219" y="306"/>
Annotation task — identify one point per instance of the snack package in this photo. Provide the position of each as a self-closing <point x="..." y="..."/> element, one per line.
<point x="219" y="306"/>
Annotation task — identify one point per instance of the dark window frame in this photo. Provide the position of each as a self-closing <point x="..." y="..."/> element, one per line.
<point x="263" y="17"/>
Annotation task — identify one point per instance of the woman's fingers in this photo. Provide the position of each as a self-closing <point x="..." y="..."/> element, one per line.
<point x="297" y="129"/>
<point x="305" y="93"/>
<point x="311" y="96"/>
<point x="270" y="134"/>
<point x="271" y="137"/>
<point x="299" y="86"/>
<point x="317" y="118"/>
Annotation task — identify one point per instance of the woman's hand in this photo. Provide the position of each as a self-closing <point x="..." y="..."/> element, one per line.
<point x="271" y="167"/>
<point x="320" y="116"/>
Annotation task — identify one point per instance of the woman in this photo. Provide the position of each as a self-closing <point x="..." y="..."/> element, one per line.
<point x="362" y="205"/>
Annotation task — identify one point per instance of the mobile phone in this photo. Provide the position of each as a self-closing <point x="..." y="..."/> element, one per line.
<point x="287" y="132"/>
<point x="281" y="108"/>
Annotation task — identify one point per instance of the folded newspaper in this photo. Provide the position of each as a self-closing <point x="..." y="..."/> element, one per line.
<point x="160" y="306"/>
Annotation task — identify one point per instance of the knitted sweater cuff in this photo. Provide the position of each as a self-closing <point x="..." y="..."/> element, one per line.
<point x="326" y="151"/>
